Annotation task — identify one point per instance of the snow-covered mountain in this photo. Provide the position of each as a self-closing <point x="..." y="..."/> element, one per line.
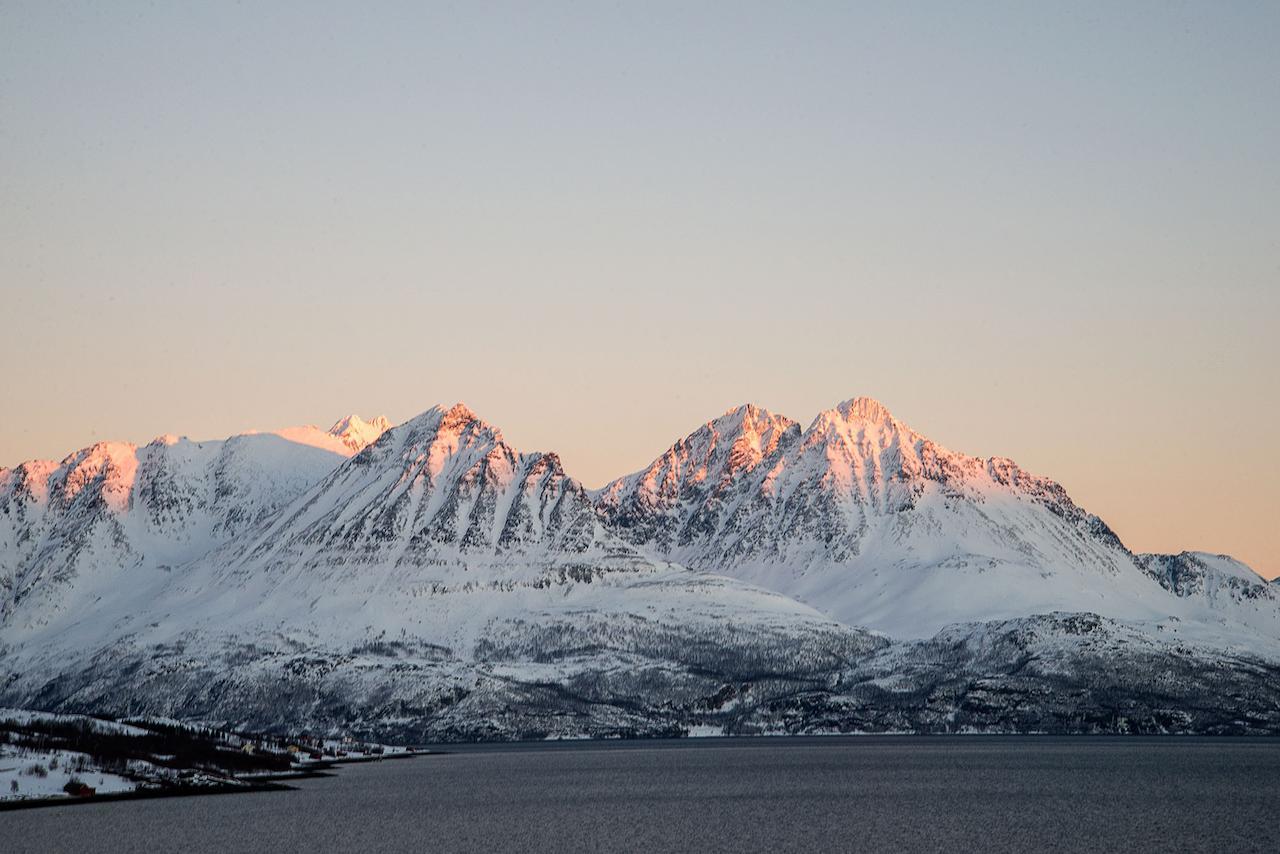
<point x="115" y="507"/>
<point x="356" y="433"/>
<point x="877" y="525"/>
<point x="437" y="564"/>
<point x="434" y="582"/>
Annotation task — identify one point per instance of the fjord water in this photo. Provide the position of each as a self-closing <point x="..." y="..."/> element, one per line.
<point x="809" y="794"/>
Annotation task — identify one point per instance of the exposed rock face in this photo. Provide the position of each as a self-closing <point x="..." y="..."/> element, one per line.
<point x="1201" y="575"/>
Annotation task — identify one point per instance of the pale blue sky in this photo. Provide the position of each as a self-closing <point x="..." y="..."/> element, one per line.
<point x="1049" y="231"/>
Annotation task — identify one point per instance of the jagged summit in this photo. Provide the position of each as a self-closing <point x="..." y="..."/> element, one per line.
<point x="862" y="436"/>
<point x="743" y="413"/>
<point x="863" y="417"/>
<point x="695" y="472"/>
<point x="450" y="419"/>
<point x="440" y="434"/>
<point x="460" y="417"/>
<point x="747" y="424"/>
<point x="461" y="412"/>
<point x="865" y="409"/>
<point x="748" y="433"/>
<point x="443" y="491"/>
<point x="355" y="422"/>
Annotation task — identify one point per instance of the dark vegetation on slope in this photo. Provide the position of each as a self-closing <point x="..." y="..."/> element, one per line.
<point x="166" y="745"/>
<point x="1058" y="673"/>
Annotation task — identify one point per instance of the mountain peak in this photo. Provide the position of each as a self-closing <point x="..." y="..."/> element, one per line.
<point x="356" y="433"/>
<point x="355" y="422"/>
<point x="746" y="410"/>
<point x="747" y="419"/>
<point x="865" y="409"/>
<point x="452" y="424"/>
<point x="459" y="413"/>
<point x="457" y="418"/>
<point x="857" y="416"/>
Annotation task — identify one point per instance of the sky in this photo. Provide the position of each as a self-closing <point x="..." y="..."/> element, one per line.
<point x="1043" y="231"/>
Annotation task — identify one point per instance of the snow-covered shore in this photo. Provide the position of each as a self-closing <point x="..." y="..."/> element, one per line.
<point x="48" y="758"/>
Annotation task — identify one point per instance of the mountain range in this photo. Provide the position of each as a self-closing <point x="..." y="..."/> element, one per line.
<point x="427" y="581"/>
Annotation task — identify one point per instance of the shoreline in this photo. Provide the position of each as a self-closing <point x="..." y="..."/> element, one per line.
<point x="264" y="783"/>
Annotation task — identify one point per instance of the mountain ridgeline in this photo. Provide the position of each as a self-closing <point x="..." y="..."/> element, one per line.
<point x="427" y="581"/>
<point x="880" y="526"/>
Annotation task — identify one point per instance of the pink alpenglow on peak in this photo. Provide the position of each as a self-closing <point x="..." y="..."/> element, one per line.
<point x="865" y="409"/>
<point x="708" y="459"/>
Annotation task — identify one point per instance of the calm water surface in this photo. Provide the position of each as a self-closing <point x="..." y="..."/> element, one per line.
<point x="857" y="794"/>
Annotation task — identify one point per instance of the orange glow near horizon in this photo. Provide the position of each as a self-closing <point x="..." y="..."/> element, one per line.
<point x="1172" y="536"/>
<point x="1035" y="233"/>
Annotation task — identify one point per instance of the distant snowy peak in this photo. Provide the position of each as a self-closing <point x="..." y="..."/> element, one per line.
<point x="356" y="433"/>
<point x="348" y="436"/>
